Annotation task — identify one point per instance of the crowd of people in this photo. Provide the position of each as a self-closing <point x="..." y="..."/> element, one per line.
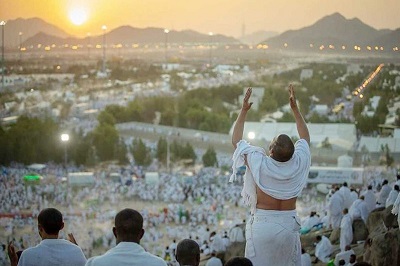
<point x="180" y="218"/>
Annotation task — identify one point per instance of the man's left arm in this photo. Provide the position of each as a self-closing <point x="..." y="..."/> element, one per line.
<point x="237" y="134"/>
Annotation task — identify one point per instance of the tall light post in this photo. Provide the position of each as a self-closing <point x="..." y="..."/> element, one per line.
<point x="166" y="31"/>
<point x="210" y="45"/>
<point x="20" y="46"/>
<point x="65" y="139"/>
<point x="88" y="45"/>
<point x="2" y="24"/>
<point x="104" y="28"/>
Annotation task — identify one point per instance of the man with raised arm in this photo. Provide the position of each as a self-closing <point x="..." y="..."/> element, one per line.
<point x="272" y="183"/>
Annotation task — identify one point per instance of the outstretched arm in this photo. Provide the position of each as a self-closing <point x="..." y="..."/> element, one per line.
<point x="239" y="124"/>
<point x="302" y="128"/>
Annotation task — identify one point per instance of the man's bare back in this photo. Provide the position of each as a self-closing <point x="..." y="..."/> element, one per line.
<point x="267" y="202"/>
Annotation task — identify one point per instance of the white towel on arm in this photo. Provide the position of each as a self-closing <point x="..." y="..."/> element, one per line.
<point x="281" y="180"/>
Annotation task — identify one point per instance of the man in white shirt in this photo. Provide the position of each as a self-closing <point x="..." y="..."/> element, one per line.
<point x="370" y="199"/>
<point x="359" y="209"/>
<point x="128" y="231"/>
<point x="214" y="261"/>
<point x="346" y="230"/>
<point x="335" y="208"/>
<point x="344" y="255"/>
<point x="384" y="194"/>
<point x="51" y="250"/>
<point x="346" y="195"/>
<point x="305" y="258"/>
<point x="236" y="234"/>
<point x="323" y="249"/>
<point x="392" y="196"/>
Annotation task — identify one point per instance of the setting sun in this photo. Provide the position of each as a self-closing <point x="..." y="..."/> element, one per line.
<point x="78" y="16"/>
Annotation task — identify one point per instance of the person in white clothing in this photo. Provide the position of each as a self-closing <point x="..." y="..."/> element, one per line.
<point x="310" y="222"/>
<point x="370" y="199"/>
<point x="214" y="261"/>
<point x="392" y="196"/>
<point x="346" y="230"/>
<point x="396" y="208"/>
<point x="272" y="183"/>
<point x="323" y="249"/>
<point x="305" y="258"/>
<point x="236" y="234"/>
<point x="344" y="255"/>
<point x="359" y="209"/>
<point x="384" y="194"/>
<point x="335" y="208"/>
<point x="346" y="195"/>
<point x="128" y="231"/>
<point x="352" y="260"/>
<point x="353" y="195"/>
<point x="51" y="250"/>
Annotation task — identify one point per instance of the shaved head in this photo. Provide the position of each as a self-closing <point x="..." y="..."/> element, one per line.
<point x="281" y="148"/>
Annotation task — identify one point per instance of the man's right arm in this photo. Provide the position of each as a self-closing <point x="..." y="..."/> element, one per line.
<point x="301" y="125"/>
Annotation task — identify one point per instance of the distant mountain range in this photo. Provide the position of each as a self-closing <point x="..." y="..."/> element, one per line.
<point x="257" y="37"/>
<point x="336" y="30"/>
<point x="333" y="30"/>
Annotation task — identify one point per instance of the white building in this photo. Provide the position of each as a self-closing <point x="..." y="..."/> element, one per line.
<point x="341" y="136"/>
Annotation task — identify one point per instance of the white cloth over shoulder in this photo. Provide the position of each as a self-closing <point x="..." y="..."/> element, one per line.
<point x="53" y="252"/>
<point x="280" y="180"/>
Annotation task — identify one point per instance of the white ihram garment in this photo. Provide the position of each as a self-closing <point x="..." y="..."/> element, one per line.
<point x="272" y="236"/>
<point x="346" y="232"/>
<point x="323" y="250"/>
<point x="396" y="208"/>
<point x="335" y="208"/>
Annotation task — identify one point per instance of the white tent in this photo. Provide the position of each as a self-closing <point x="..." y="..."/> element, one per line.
<point x="37" y="166"/>
<point x="152" y="178"/>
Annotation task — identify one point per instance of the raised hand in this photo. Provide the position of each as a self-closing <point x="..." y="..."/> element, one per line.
<point x="12" y="254"/>
<point x="246" y="105"/>
<point x="72" y="239"/>
<point x="292" y="97"/>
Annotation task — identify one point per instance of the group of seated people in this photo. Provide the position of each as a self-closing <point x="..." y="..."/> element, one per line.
<point x="128" y="231"/>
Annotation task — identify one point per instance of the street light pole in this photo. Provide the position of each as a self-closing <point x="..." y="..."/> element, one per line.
<point x="210" y="59"/>
<point x="65" y="139"/>
<point x="89" y="45"/>
<point x="2" y="24"/>
<point x="166" y="31"/>
<point x="104" y="28"/>
<point x="20" y="46"/>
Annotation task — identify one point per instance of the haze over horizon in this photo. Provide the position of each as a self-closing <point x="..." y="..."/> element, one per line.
<point x="223" y="17"/>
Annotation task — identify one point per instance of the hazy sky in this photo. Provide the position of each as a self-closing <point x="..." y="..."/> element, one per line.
<point x="219" y="16"/>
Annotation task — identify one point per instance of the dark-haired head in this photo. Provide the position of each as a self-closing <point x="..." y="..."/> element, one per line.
<point x="50" y="222"/>
<point x="128" y="226"/>
<point x="239" y="261"/>
<point x="281" y="148"/>
<point x="188" y="252"/>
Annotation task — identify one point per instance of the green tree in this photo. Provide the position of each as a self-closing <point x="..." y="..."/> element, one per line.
<point x="162" y="149"/>
<point x="121" y="152"/>
<point x="210" y="158"/>
<point x="105" y="139"/>
<point x="141" y="153"/>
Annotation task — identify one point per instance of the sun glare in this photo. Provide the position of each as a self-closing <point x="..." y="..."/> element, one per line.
<point x="78" y="16"/>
